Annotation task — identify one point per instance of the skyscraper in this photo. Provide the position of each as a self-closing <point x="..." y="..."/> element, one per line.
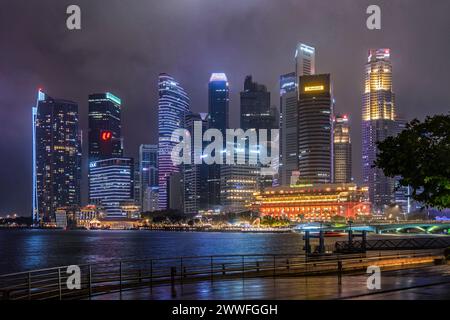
<point x="173" y="104"/>
<point x="148" y="173"/>
<point x="288" y="127"/>
<point x="35" y="209"/>
<point x="256" y="113"/>
<point x="315" y="129"/>
<point x="105" y="129"/>
<point x="111" y="185"/>
<point x="195" y="176"/>
<point x="305" y="64"/>
<point x="218" y="109"/>
<point x="58" y="156"/>
<point x="378" y="123"/>
<point x="305" y="60"/>
<point x="342" y="150"/>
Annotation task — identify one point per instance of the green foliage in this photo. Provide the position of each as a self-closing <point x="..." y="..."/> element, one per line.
<point x="420" y="155"/>
<point x="273" y="222"/>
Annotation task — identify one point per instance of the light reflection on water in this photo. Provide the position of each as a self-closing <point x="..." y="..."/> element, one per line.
<point x="22" y="250"/>
<point x="26" y="249"/>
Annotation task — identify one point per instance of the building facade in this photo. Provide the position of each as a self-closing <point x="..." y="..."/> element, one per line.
<point x="148" y="174"/>
<point x="150" y="199"/>
<point x="256" y="111"/>
<point x="175" y="192"/>
<point x="173" y="104"/>
<point x="111" y="185"/>
<point x="57" y="153"/>
<point x="257" y="114"/>
<point x="195" y="176"/>
<point x="315" y="129"/>
<point x="313" y="202"/>
<point x="342" y="150"/>
<point x="238" y="184"/>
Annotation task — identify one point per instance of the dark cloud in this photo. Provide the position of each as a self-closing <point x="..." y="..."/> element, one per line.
<point x="123" y="45"/>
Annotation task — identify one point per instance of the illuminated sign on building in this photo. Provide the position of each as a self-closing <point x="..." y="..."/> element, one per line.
<point x="106" y="135"/>
<point x="314" y="88"/>
<point x="113" y="98"/>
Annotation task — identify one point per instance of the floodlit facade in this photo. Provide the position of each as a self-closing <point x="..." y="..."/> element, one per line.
<point x="313" y="202"/>
<point x="378" y="123"/>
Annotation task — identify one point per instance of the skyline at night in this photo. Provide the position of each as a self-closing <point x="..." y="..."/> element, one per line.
<point x="225" y="159"/>
<point x="199" y="39"/>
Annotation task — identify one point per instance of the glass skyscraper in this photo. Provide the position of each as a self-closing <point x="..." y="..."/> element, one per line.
<point x="57" y="156"/>
<point x="105" y="128"/>
<point x="173" y="104"/>
<point x="378" y="123"/>
<point x="218" y="117"/>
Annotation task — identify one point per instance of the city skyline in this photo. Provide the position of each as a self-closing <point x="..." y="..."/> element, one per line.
<point x="411" y="105"/>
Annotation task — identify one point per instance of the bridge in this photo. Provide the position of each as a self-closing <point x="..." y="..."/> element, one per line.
<point x="379" y="228"/>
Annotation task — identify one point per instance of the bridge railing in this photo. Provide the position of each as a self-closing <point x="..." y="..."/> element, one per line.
<point x="118" y="276"/>
<point x="393" y="244"/>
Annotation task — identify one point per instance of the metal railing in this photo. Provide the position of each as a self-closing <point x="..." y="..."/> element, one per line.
<point x="393" y="244"/>
<point x="120" y="275"/>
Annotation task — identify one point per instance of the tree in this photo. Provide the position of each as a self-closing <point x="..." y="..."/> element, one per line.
<point x="420" y="156"/>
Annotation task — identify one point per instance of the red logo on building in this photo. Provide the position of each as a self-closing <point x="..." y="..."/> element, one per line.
<point x="106" y="135"/>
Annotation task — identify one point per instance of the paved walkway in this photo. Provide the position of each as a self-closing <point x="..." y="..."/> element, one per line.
<point x="393" y="284"/>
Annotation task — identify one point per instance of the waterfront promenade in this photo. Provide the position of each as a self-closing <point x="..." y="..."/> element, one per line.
<point x="157" y="278"/>
<point x="422" y="283"/>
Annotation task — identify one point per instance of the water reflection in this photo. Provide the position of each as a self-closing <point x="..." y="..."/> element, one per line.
<point x="23" y="250"/>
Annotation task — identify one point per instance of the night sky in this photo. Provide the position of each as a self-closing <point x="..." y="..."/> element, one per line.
<point x="124" y="45"/>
